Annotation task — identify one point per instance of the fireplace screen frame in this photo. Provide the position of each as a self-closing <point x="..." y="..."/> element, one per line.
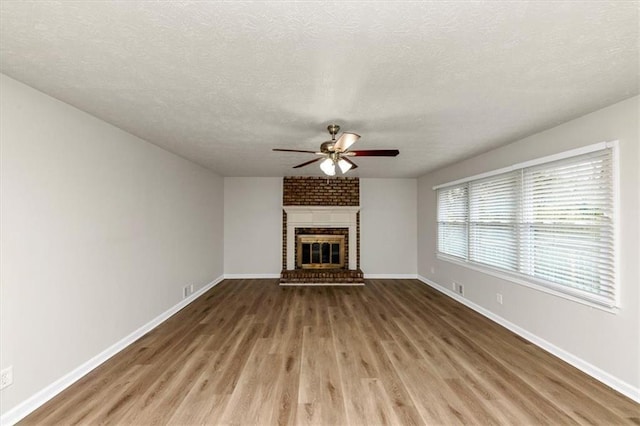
<point x="330" y="240"/>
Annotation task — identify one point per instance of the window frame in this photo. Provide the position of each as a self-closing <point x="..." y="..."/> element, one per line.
<point x="523" y="279"/>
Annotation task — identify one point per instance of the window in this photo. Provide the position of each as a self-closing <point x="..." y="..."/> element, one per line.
<point x="452" y="221"/>
<point x="493" y="232"/>
<point x="550" y="221"/>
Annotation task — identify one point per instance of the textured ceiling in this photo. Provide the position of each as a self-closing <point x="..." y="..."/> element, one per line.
<point x="223" y="83"/>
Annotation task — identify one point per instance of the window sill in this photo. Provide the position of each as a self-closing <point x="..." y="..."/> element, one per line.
<point x="525" y="282"/>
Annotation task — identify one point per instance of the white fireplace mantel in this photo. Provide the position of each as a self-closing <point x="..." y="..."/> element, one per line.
<point x="322" y="217"/>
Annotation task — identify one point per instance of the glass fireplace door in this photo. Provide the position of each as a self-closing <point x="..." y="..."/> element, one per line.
<point x="320" y="251"/>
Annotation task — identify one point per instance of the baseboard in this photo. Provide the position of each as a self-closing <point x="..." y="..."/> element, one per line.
<point x="26" y="407"/>
<point x="366" y="276"/>
<point x="390" y="276"/>
<point x="250" y="276"/>
<point x="590" y="369"/>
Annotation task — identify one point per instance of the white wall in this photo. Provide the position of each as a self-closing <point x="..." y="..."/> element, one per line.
<point x="252" y="226"/>
<point x="100" y="231"/>
<point x="388" y="227"/>
<point x="610" y="343"/>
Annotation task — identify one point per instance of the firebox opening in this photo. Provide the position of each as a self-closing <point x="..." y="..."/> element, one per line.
<point x="320" y="251"/>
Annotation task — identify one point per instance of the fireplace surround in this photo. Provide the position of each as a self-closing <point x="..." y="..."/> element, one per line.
<point x="320" y="217"/>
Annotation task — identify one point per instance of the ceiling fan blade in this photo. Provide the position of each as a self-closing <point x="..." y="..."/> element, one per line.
<point x="292" y="150"/>
<point x="345" y="141"/>
<point x="375" y="153"/>
<point x="306" y="163"/>
<point x="353" y="165"/>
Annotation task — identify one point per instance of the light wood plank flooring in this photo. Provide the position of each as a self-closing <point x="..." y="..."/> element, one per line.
<point x="392" y="352"/>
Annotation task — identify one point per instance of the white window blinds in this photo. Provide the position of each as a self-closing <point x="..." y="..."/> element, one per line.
<point x="552" y="222"/>
<point x="453" y="214"/>
<point x="493" y="221"/>
<point x="567" y="228"/>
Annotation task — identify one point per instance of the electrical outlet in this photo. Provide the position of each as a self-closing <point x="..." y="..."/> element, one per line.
<point x="433" y="270"/>
<point x="187" y="291"/>
<point x="499" y="298"/>
<point x="458" y="288"/>
<point x="6" y="377"/>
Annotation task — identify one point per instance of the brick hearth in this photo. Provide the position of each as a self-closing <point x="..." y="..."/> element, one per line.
<point x="322" y="276"/>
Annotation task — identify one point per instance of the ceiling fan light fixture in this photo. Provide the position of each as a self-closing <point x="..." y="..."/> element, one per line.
<point x="336" y="152"/>
<point x="328" y="167"/>
<point x="344" y="165"/>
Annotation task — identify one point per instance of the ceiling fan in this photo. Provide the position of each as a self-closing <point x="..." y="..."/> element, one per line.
<point x="336" y="152"/>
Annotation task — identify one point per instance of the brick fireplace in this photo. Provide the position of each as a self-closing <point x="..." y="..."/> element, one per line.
<point x="324" y="214"/>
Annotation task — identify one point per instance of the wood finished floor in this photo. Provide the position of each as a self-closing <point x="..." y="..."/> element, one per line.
<point x="393" y="352"/>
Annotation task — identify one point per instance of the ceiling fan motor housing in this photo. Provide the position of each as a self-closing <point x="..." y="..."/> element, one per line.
<point x="327" y="147"/>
